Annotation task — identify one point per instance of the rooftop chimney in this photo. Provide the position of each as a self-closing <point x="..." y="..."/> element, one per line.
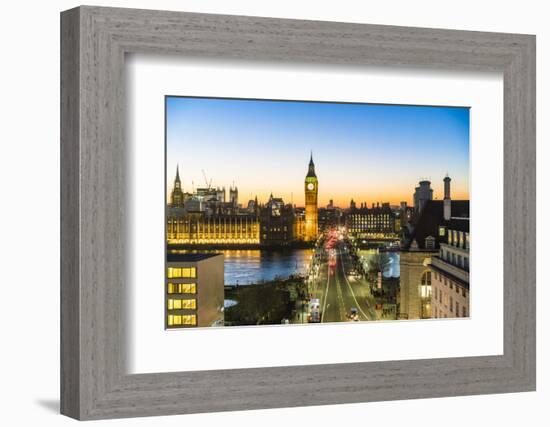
<point x="447" y="198"/>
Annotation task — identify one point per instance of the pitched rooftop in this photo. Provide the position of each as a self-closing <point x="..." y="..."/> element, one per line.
<point x="431" y="218"/>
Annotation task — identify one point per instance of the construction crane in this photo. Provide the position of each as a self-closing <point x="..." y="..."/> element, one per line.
<point x="208" y="183"/>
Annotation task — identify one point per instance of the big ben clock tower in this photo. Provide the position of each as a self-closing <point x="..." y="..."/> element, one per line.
<point x="311" y="190"/>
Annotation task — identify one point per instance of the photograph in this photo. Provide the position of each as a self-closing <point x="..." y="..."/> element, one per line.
<point x="286" y="212"/>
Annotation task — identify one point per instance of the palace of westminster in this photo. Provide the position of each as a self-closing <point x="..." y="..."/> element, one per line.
<point x="205" y="217"/>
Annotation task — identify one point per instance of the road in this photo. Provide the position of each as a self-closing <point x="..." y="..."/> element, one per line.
<point x="339" y="293"/>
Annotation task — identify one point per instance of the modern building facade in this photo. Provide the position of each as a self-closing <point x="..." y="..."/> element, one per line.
<point x="451" y="272"/>
<point x="311" y="188"/>
<point x="194" y="290"/>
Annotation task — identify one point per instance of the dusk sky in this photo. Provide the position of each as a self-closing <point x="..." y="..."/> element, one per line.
<point x="368" y="152"/>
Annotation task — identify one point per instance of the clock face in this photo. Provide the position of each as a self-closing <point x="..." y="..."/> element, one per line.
<point x="310" y="186"/>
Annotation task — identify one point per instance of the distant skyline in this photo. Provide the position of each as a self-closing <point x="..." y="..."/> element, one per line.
<point x="368" y="152"/>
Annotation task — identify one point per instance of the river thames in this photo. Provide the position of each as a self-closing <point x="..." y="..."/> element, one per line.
<point x="247" y="267"/>
<point x="251" y="266"/>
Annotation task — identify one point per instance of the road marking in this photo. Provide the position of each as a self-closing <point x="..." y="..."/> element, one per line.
<point x="342" y="305"/>
<point x="351" y="290"/>
<point x="326" y="294"/>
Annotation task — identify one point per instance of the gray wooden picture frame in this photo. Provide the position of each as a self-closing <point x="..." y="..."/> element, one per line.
<point x="94" y="381"/>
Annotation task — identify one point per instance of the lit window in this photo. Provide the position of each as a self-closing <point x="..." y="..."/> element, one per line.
<point x="179" y="304"/>
<point x="174" y="304"/>
<point x="189" y="272"/>
<point x="174" y="320"/>
<point x="182" y="288"/>
<point x="189" y="319"/>
<point x="188" y="288"/>
<point x="175" y="272"/>
<point x="189" y="304"/>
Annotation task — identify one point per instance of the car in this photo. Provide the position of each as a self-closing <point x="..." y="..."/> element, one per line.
<point x="314" y="311"/>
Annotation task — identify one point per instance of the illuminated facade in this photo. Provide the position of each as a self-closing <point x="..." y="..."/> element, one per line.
<point x="206" y="218"/>
<point x="194" y="293"/>
<point x="374" y="223"/>
<point x="311" y="188"/>
<point x="200" y="229"/>
<point x="299" y="224"/>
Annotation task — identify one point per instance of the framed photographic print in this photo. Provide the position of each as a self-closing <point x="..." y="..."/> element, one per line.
<point x="313" y="252"/>
<point x="262" y="213"/>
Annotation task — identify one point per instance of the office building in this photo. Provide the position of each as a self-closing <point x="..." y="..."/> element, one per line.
<point x="194" y="290"/>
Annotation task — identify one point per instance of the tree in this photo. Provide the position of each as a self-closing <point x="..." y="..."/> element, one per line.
<point x="267" y="303"/>
<point x="379" y="263"/>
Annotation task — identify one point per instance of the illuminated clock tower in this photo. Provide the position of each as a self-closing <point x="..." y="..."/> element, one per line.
<point x="311" y="190"/>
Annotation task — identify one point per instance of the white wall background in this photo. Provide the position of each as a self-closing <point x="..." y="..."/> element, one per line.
<point x="29" y="177"/>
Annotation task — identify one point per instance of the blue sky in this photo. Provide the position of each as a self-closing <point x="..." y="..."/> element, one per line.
<point x="371" y="152"/>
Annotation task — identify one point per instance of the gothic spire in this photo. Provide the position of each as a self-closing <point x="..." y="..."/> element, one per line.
<point x="311" y="168"/>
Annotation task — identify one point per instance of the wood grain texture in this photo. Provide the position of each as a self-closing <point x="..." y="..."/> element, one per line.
<point x="70" y="259"/>
<point x="94" y="382"/>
